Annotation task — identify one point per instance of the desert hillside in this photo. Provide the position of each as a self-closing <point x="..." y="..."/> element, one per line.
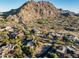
<point x="39" y="29"/>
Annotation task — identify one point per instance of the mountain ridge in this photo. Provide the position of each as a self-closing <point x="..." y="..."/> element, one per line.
<point x="32" y="11"/>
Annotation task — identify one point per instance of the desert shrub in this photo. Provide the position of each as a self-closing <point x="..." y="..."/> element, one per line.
<point x="59" y="42"/>
<point x="71" y="42"/>
<point x="27" y="32"/>
<point x="28" y="51"/>
<point x="18" y="52"/>
<point x="52" y="55"/>
<point x="43" y="21"/>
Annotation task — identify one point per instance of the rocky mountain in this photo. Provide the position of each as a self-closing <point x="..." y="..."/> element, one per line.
<point x="39" y="29"/>
<point x="34" y="11"/>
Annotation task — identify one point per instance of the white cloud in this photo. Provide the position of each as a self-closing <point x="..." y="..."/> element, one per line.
<point x="2" y="9"/>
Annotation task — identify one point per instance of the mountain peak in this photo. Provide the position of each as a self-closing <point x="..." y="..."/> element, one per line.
<point x="32" y="10"/>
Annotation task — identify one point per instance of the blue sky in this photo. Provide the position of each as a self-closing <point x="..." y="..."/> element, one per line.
<point x="72" y="5"/>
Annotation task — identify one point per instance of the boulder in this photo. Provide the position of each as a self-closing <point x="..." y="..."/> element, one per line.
<point x="62" y="49"/>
